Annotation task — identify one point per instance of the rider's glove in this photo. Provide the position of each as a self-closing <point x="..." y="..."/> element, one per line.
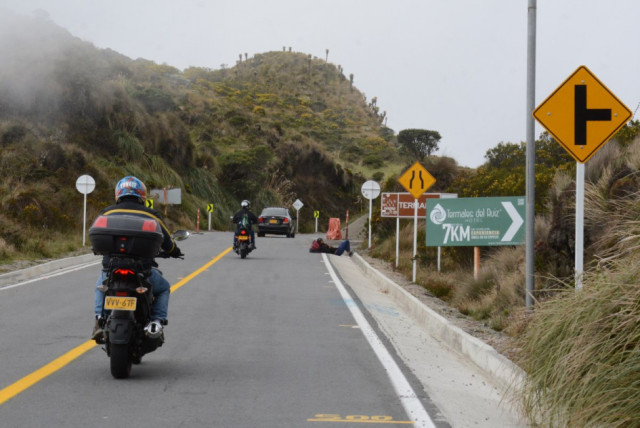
<point x="176" y="253"/>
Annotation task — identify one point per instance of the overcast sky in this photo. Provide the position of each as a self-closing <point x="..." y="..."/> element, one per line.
<point x="454" y="66"/>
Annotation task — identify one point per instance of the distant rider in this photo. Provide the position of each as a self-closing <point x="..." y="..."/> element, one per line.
<point x="131" y="194"/>
<point x="246" y="217"/>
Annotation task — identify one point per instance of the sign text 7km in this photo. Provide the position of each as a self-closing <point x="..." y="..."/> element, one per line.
<point x="475" y="222"/>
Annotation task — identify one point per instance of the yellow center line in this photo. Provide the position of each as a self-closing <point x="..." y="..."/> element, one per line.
<point x="188" y="278"/>
<point x="55" y="365"/>
<point x="35" y="377"/>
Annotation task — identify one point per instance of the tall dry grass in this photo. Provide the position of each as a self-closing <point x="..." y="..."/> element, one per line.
<point x="581" y="349"/>
<point x="581" y="352"/>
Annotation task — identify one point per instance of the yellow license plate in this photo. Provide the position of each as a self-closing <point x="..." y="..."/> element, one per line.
<point x="243" y="238"/>
<point x="273" y="221"/>
<point x="120" y="303"/>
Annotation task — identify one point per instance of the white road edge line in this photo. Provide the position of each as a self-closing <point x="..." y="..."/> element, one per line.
<point x="52" y="275"/>
<point x="407" y="395"/>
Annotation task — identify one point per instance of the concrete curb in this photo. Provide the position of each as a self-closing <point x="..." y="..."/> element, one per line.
<point x="44" y="268"/>
<point x="484" y="356"/>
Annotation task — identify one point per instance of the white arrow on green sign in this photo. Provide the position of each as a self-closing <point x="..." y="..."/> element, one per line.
<point x="475" y="222"/>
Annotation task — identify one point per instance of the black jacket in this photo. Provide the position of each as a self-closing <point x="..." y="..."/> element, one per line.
<point x="130" y="206"/>
<point x="237" y="217"/>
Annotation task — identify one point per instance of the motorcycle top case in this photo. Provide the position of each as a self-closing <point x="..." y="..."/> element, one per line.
<point x="128" y="235"/>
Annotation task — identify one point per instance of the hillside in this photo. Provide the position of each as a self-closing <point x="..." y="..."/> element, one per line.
<point x="275" y="127"/>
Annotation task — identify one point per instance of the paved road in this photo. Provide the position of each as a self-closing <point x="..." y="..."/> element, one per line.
<point x="277" y="340"/>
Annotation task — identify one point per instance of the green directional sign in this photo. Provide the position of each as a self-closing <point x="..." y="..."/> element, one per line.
<point x="475" y="222"/>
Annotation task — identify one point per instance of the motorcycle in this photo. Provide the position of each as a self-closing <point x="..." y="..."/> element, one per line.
<point x="242" y="242"/>
<point x="128" y="239"/>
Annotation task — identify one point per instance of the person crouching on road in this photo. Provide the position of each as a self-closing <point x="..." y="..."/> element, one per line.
<point x="319" y="246"/>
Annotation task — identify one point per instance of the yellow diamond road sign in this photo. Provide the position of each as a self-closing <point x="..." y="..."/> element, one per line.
<point x="582" y="114"/>
<point x="416" y="180"/>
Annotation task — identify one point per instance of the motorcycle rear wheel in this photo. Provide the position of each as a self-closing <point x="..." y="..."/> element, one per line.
<point x="120" y="361"/>
<point x="243" y="253"/>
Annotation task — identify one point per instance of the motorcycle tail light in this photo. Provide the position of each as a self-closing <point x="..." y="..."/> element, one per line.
<point x="122" y="293"/>
<point x="243" y="232"/>
<point x="149" y="226"/>
<point x="100" y="222"/>
<point x="124" y="272"/>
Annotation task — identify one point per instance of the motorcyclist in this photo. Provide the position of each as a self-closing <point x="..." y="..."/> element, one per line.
<point x="244" y="215"/>
<point x="131" y="194"/>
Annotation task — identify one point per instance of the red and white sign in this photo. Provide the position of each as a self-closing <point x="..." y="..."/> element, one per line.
<point x="402" y="204"/>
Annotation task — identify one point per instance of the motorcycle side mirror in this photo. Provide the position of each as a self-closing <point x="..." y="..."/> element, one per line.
<point x="181" y="235"/>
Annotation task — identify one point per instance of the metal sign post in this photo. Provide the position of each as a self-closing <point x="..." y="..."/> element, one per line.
<point x="370" y="190"/>
<point x="416" y="180"/>
<point x="578" y="101"/>
<point x="209" y="210"/>
<point x="297" y="205"/>
<point x="85" y="185"/>
<point x="400" y="205"/>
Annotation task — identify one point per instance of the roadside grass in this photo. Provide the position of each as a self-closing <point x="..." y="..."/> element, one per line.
<point x="490" y="298"/>
<point x="581" y="351"/>
<point x="36" y="247"/>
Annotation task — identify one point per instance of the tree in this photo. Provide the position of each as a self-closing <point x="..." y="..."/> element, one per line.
<point x="419" y="142"/>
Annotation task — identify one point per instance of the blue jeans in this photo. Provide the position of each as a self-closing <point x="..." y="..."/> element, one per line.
<point x="161" y="292"/>
<point x="344" y="246"/>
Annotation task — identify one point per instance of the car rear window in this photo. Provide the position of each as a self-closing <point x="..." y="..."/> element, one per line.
<point x="274" y="211"/>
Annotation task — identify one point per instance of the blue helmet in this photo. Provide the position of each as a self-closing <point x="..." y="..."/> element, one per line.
<point x="131" y="186"/>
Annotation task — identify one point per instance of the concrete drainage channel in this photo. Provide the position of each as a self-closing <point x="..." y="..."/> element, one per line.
<point x="478" y="352"/>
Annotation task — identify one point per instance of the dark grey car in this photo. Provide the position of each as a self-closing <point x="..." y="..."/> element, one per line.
<point x="276" y="221"/>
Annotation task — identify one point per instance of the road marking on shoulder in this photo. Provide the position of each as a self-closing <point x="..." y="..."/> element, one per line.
<point x="358" y="418"/>
<point x="31" y="379"/>
<point x="406" y="394"/>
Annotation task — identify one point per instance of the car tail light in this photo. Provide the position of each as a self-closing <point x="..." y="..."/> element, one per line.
<point x="286" y="220"/>
<point x="260" y="220"/>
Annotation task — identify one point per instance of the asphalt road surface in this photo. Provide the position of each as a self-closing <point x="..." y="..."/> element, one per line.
<point x="276" y="340"/>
